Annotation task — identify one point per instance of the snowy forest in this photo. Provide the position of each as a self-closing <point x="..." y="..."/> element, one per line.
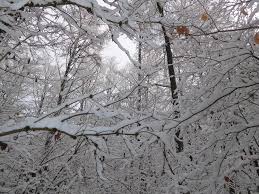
<point x="181" y="117"/>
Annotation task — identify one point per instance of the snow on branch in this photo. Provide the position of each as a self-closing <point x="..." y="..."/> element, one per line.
<point x="71" y="130"/>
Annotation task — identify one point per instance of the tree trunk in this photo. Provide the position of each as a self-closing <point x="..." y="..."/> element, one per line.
<point x="60" y="99"/>
<point x="169" y="56"/>
<point x="173" y="86"/>
<point x="139" y="105"/>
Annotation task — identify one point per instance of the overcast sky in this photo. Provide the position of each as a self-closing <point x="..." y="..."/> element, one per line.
<point x="112" y="50"/>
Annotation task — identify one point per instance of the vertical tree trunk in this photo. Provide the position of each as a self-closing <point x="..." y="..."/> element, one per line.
<point x="42" y="98"/>
<point x="60" y="98"/>
<point x="173" y="86"/>
<point x="139" y="105"/>
<point x="83" y="92"/>
<point x="169" y="56"/>
<point x="63" y="83"/>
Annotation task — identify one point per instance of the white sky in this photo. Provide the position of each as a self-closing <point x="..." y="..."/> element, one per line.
<point x="112" y="50"/>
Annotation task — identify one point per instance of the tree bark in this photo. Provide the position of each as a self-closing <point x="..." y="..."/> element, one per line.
<point x="139" y="105"/>
<point x="173" y="85"/>
<point x="169" y="56"/>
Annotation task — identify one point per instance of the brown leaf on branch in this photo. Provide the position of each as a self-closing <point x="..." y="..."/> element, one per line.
<point x="204" y="17"/>
<point x="182" y="30"/>
<point x="256" y="38"/>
